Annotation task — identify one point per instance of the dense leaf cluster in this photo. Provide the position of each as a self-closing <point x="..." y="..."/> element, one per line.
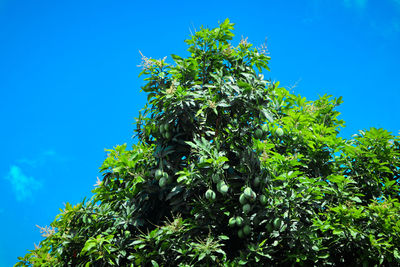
<point x="232" y="169"/>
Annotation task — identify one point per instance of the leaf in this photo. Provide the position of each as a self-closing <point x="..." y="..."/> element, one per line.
<point x="223" y="104"/>
<point x="154" y="263"/>
<point x="223" y="237"/>
<point x="242" y="262"/>
<point x="356" y="199"/>
<point x="176" y="57"/>
<point x="396" y="254"/>
<point x="176" y="190"/>
<point x="268" y="115"/>
<point x="182" y="179"/>
<point x="324" y="256"/>
<point x="202" y="255"/>
<point x="337" y="232"/>
<point x="136" y="242"/>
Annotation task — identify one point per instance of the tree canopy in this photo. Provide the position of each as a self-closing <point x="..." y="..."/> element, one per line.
<point x="232" y="169"/>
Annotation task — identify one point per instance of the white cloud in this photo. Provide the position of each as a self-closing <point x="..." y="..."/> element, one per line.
<point x="24" y="186"/>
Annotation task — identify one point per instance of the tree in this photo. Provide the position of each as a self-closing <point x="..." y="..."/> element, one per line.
<point x="232" y="169"/>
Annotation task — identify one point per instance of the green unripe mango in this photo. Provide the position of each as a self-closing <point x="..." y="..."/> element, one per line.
<point x="162" y="182"/>
<point x="219" y="185"/>
<point x="224" y="189"/>
<point x="215" y="178"/>
<point x="242" y="199"/>
<point x="256" y="182"/>
<point x="239" y="221"/>
<point x="166" y="127"/>
<point x="246" y="230"/>
<point x="259" y="134"/>
<point x="165" y="175"/>
<point x="167" y="135"/>
<point x="246" y="208"/>
<point x="279" y="132"/>
<point x="159" y="174"/>
<point x="263" y="199"/>
<point x="232" y="222"/>
<point x="240" y="233"/>
<point x="248" y="192"/>
<point x="210" y="195"/>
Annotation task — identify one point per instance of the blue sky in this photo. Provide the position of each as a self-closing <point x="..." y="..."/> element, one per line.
<point x="69" y="85"/>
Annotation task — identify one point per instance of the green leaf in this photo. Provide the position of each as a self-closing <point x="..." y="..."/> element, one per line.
<point x="337" y="232"/>
<point x="267" y="115"/>
<point x="223" y="237"/>
<point x="202" y="255"/>
<point x="396" y="254"/>
<point x="356" y="199"/>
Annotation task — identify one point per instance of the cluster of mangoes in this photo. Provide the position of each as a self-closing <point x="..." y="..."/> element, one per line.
<point x="222" y="187"/>
<point x="262" y="133"/>
<point x="163" y="178"/>
<point x="246" y="199"/>
<point x="164" y="130"/>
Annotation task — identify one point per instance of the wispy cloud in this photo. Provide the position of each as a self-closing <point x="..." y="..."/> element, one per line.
<point x="388" y="27"/>
<point x="23" y="185"/>
<point x="40" y="160"/>
<point x="396" y="2"/>
<point x="388" y="30"/>
<point x="359" y="4"/>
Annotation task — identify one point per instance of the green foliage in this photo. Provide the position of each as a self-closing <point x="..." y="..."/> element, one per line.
<point x="232" y="169"/>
